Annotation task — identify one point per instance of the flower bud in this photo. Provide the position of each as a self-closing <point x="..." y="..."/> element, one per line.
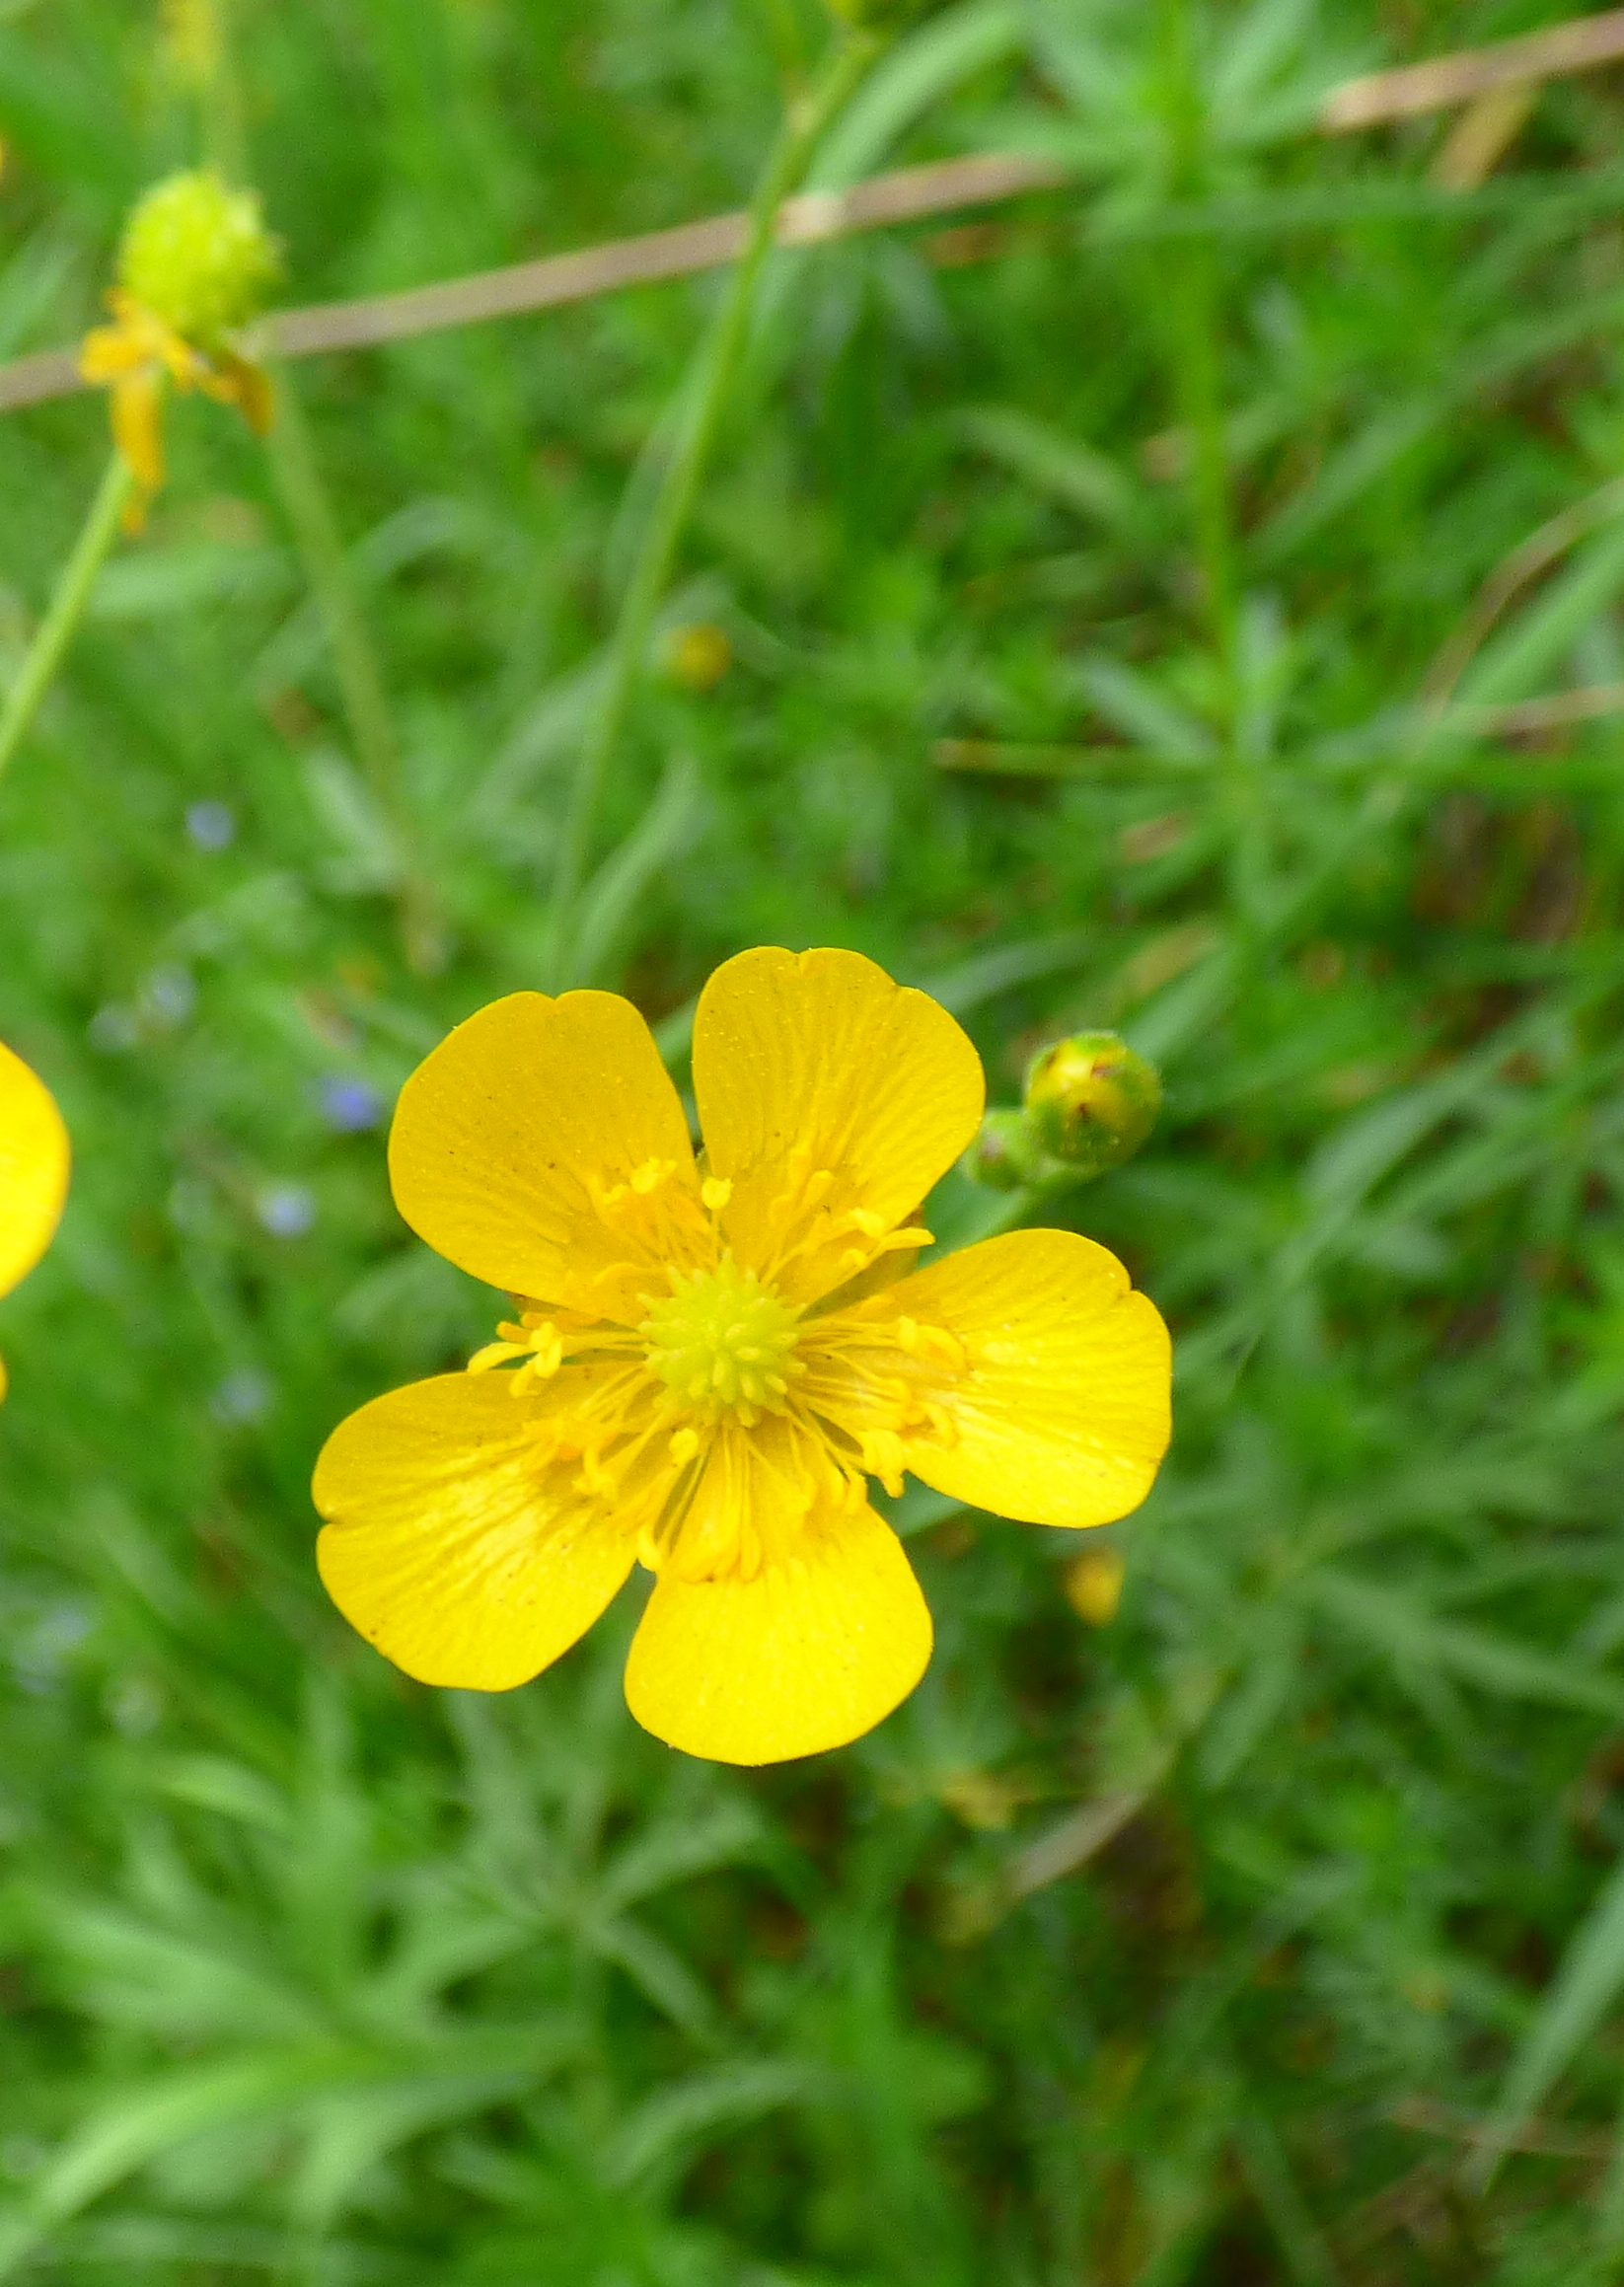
<point x="198" y="256"/>
<point x="1091" y="1101"/>
<point x="1003" y="1157"/>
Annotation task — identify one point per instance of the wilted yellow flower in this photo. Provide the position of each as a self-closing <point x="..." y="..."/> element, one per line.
<point x="33" y="1172"/>
<point x="195" y="261"/>
<point x="712" y="1356"/>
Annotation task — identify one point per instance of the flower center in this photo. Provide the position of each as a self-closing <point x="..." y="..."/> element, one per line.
<point x="723" y="1341"/>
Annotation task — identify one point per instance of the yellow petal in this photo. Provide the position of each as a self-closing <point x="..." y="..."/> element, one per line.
<point x="1065" y="1411"/>
<point x="34" y="1168"/>
<point x="448" y="1546"/>
<point x="832" y="1099"/>
<point x="813" y="1651"/>
<point x="512" y="1139"/>
<point x="137" y="426"/>
<point x="107" y="351"/>
<point x="250" y="392"/>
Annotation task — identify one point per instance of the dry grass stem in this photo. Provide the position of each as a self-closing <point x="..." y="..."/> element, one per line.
<point x="811" y="219"/>
<point x="1406" y="94"/>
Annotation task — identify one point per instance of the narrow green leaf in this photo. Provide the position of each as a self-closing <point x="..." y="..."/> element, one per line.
<point x="1580" y="1996"/>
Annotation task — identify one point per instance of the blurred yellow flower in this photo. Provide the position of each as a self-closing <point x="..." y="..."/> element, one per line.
<point x="698" y="656"/>
<point x="712" y="1356"/>
<point x="33" y="1172"/>
<point x="1093" y="1585"/>
<point x="191" y="40"/>
<point x="195" y="261"/>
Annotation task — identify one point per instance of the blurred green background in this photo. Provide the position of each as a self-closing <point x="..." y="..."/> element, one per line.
<point x="1270" y="1933"/>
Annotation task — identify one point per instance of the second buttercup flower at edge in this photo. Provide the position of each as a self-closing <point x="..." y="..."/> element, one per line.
<point x="712" y="1356"/>
<point x="35" y="1156"/>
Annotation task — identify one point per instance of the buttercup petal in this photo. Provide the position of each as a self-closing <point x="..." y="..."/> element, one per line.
<point x="34" y="1168"/>
<point x="1064" y="1412"/>
<point x="830" y="1099"/>
<point x="450" y="1545"/>
<point x="107" y="351"/>
<point x="543" y="1148"/>
<point x="814" y="1649"/>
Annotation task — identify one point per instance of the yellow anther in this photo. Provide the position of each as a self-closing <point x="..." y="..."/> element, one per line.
<point x="594" y="1477"/>
<point x="494" y="1354"/>
<point x="883" y="1457"/>
<point x="649" y="1176"/>
<point x="944" y="1429"/>
<point x="930" y="1345"/>
<point x="685" y="1443"/>
<point x="715" y="1190"/>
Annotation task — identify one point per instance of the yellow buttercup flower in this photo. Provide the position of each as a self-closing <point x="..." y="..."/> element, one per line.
<point x="195" y="262"/>
<point x="33" y="1172"/>
<point x="711" y="1355"/>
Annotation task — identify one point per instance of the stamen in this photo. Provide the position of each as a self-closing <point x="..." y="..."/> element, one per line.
<point x="494" y="1354"/>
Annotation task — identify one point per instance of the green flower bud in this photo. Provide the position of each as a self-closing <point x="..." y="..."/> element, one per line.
<point x="1004" y="1155"/>
<point x="1091" y="1101"/>
<point x="198" y="256"/>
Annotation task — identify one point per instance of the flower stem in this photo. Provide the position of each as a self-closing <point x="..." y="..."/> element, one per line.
<point x="311" y="513"/>
<point x="706" y="398"/>
<point x="67" y="605"/>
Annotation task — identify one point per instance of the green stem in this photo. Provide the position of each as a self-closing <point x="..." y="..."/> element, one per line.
<point x="705" y="398"/>
<point x="225" y="139"/>
<point x="67" y="605"/>
<point x="321" y="545"/>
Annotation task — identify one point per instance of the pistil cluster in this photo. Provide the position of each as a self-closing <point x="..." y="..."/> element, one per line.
<point x="724" y="1343"/>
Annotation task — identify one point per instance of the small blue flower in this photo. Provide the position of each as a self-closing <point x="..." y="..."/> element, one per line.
<point x="211" y="824"/>
<point x="286" y="1209"/>
<point x="349" y="1104"/>
<point x="243" y="1397"/>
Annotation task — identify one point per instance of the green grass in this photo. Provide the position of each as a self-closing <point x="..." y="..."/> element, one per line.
<point x="313" y="1976"/>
